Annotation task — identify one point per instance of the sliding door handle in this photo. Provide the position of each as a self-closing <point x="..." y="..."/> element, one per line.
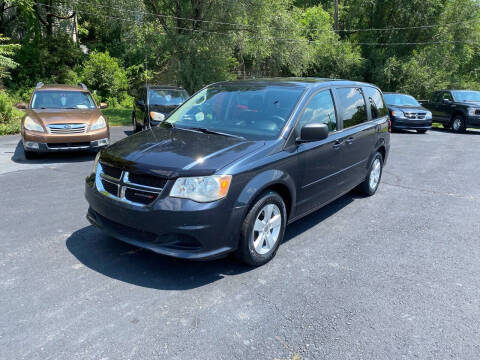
<point x="338" y="144"/>
<point x="349" y="140"/>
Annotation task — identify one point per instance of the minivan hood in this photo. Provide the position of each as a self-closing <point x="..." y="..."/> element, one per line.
<point x="62" y="116"/>
<point x="173" y="152"/>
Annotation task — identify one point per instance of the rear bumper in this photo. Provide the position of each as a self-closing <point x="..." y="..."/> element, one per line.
<point x="174" y="227"/>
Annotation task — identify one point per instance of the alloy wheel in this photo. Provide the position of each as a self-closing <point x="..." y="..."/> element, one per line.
<point x="375" y="174"/>
<point x="266" y="229"/>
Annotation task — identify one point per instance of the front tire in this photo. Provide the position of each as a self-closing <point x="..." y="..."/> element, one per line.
<point x="136" y="126"/>
<point x="421" y="131"/>
<point x="458" y="124"/>
<point x="31" y="155"/>
<point x="370" y="184"/>
<point x="263" y="230"/>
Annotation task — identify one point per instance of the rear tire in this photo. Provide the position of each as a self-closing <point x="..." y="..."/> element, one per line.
<point x="370" y="185"/>
<point x="263" y="230"/>
<point x="421" y="131"/>
<point x="458" y="124"/>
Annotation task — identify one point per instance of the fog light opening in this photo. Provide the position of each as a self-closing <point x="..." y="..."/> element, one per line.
<point x="32" y="145"/>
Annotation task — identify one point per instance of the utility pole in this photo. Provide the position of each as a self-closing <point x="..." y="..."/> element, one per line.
<point x="336" y="15"/>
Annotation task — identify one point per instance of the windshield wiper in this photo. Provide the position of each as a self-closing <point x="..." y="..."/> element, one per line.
<point x="209" y="131"/>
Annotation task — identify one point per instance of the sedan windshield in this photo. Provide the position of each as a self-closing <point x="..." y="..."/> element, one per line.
<point x="466" y="96"/>
<point x="254" y="112"/>
<point x="62" y="100"/>
<point x="166" y="97"/>
<point x="401" y="100"/>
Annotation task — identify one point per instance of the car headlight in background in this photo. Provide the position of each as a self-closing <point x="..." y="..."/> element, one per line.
<point x="202" y="188"/>
<point x="99" y="124"/>
<point x="30" y="124"/>
<point x="473" y="111"/>
<point x="156" y="116"/>
<point x="428" y="115"/>
<point x="95" y="163"/>
<point x="398" y="114"/>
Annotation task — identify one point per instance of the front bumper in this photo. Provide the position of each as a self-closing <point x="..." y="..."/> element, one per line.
<point x="404" y="124"/>
<point x="473" y="121"/>
<point x="44" y="142"/>
<point x="175" y="227"/>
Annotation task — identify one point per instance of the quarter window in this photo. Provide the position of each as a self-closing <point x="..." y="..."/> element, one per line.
<point x="375" y="101"/>
<point x="447" y="95"/>
<point x="354" y="111"/>
<point x="320" y="109"/>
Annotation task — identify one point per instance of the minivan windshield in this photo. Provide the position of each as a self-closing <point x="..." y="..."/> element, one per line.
<point x="466" y="96"/>
<point x="400" y="100"/>
<point x="55" y="99"/>
<point x="166" y="97"/>
<point x="255" y="112"/>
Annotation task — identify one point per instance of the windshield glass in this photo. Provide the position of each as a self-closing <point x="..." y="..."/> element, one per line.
<point x="400" y="100"/>
<point x="465" y="96"/>
<point x="166" y="97"/>
<point x="62" y="100"/>
<point x="254" y="112"/>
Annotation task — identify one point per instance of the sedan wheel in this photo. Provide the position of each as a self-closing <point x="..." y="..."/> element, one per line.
<point x="263" y="230"/>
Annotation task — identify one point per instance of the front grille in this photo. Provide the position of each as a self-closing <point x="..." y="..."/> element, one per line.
<point x="415" y="116"/>
<point x="68" y="145"/>
<point x="138" y="196"/>
<point x="136" y="189"/>
<point x="111" y="171"/>
<point x="111" y="188"/>
<point x="147" y="180"/>
<point x="66" y="129"/>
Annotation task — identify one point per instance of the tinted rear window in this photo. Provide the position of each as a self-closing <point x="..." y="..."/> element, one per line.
<point x="353" y="107"/>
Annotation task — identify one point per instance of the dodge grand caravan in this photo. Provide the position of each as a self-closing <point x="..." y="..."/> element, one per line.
<point x="238" y="161"/>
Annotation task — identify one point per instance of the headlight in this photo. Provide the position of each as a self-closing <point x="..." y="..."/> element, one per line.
<point x="398" y="114"/>
<point x="428" y="115"/>
<point x="203" y="188"/>
<point x="95" y="163"/>
<point x="156" y="116"/>
<point x="99" y="124"/>
<point x="473" y="111"/>
<point x="29" y="124"/>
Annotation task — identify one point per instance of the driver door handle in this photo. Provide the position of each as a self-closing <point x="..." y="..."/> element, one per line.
<point x="349" y="140"/>
<point x="338" y="144"/>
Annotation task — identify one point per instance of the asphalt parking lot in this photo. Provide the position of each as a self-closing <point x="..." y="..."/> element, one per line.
<point x="393" y="276"/>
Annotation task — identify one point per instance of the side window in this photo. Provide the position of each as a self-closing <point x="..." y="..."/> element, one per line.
<point x="375" y="101"/>
<point x="320" y="109"/>
<point x="353" y="110"/>
<point x="447" y="95"/>
<point x="436" y="97"/>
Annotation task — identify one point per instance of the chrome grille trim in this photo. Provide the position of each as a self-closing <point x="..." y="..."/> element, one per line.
<point x="123" y="184"/>
<point x="415" y="116"/>
<point x="63" y="129"/>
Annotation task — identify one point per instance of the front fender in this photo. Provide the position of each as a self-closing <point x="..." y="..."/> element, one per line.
<point x="262" y="181"/>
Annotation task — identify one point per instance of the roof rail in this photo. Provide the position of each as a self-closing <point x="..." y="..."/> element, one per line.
<point x="83" y="86"/>
<point x="39" y="85"/>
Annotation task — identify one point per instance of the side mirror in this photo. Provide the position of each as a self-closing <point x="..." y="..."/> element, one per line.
<point x="103" y="105"/>
<point x="446" y="101"/>
<point x="313" y="132"/>
<point x="21" y="106"/>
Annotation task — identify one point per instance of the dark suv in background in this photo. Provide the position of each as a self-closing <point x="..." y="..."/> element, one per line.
<point x="455" y="109"/>
<point x="238" y="161"/>
<point x="153" y="103"/>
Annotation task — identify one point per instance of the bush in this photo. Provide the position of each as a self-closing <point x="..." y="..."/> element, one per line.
<point x="9" y="116"/>
<point x="104" y="74"/>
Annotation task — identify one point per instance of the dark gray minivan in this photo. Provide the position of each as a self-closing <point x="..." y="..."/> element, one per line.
<point x="238" y="161"/>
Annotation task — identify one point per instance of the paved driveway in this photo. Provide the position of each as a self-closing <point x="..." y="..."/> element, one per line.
<point x="393" y="276"/>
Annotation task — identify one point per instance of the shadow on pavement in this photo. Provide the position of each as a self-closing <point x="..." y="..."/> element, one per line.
<point x="52" y="158"/>
<point x="467" y="132"/>
<point x="133" y="265"/>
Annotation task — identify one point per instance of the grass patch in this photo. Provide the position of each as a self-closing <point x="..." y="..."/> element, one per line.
<point x="118" y="116"/>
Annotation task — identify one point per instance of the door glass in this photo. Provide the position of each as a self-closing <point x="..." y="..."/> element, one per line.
<point x="447" y="95"/>
<point x="320" y="109"/>
<point x="354" y="111"/>
<point x="375" y="101"/>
